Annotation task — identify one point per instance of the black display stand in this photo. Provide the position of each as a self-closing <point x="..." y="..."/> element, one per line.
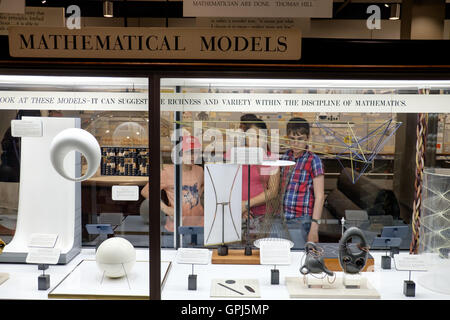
<point x="386" y="262"/>
<point x="222" y="250"/>
<point x="43" y="279"/>
<point x="192" y="280"/>
<point x="409" y="287"/>
<point x="274" y="276"/>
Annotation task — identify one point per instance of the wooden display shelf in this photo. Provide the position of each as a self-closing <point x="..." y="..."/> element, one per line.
<point x="107" y="181"/>
<point x="236" y="256"/>
<point x="333" y="265"/>
<point x="330" y="258"/>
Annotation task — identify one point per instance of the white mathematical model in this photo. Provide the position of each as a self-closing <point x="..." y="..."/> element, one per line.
<point x="223" y="203"/>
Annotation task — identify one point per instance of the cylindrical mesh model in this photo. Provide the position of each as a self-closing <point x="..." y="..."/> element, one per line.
<point x="434" y="236"/>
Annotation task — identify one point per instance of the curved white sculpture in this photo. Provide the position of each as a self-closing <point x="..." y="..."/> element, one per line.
<point x="79" y="140"/>
<point x="115" y="257"/>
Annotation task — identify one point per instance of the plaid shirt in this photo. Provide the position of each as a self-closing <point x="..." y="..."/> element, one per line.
<point x="299" y="198"/>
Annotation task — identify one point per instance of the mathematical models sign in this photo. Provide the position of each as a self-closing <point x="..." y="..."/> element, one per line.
<point x="155" y="43"/>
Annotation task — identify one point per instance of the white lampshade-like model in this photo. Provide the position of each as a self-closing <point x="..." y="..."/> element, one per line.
<point x="129" y="133"/>
<point x="74" y="139"/>
<point x="115" y="257"/>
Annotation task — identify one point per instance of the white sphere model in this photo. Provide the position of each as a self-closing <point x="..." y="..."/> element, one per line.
<point x="115" y="257"/>
<point x="75" y="139"/>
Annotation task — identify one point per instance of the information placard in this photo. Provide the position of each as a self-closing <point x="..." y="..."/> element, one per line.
<point x="73" y="100"/>
<point x="258" y="8"/>
<point x="303" y="24"/>
<point x="33" y="17"/>
<point x="26" y="128"/>
<point x="193" y="256"/>
<point x="125" y="193"/>
<point x="410" y="263"/>
<point x="43" y="255"/>
<point x="275" y="252"/>
<point x="42" y="240"/>
<point x="293" y="102"/>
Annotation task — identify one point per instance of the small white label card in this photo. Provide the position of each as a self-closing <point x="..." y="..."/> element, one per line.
<point x="26" y="128"/>
<point x="42" y="240"/>
<point x="193" y="256"/>
<point x="275" y="252"/>
<point x="125" y="193"/>
<point x="43" y="255"/>
<point x="410" y="262"/>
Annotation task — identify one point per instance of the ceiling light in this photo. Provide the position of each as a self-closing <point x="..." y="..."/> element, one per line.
<point x="108" y="9"/>
<point x="395" y="11"/>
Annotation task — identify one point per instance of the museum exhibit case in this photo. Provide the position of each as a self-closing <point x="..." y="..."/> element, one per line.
<point x="74" y="161"/>
<point x="434" y="229"/>
<point x="348" y="145"/>
<point x="218" y="140"/>
<point x="358" y="153"/>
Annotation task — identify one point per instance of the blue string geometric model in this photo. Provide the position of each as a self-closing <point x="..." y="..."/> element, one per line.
<point x="361" y="152"/>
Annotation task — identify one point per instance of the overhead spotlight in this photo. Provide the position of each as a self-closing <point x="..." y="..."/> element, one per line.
<point x="395" y="11"/>
<point x="386" y="5"/>
<point x="43" y="1"/>
<point x="108" y="9"/>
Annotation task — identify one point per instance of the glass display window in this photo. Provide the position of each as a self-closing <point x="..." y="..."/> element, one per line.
<point x="242" y="161"/>
<point x="114" y="112"/>
<point x="351" y="145"/>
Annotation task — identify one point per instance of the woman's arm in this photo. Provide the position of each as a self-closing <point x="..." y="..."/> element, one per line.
<point x="273" y="185"/>
<point x="166" y="209"/>
<point x="268" y="194"/>
<point x="319" y="197"/>
<point x="144" y="191"/>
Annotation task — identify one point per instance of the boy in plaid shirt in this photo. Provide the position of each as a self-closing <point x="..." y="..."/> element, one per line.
<point x="304" y="182"/>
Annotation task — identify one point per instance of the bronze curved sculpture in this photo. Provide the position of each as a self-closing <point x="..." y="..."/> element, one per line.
<point x="314" y="260"/>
